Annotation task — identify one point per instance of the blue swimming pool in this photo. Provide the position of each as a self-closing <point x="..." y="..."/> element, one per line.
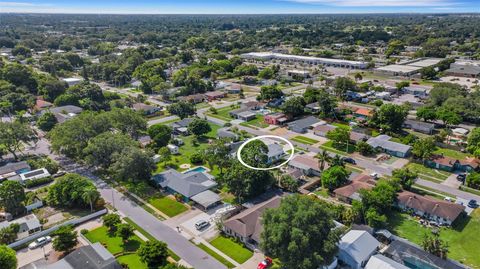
<point x="418" y="264"/>
<point x="196" y="169"/>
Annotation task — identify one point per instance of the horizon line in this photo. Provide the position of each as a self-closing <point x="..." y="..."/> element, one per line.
<point x="279" y="13"/>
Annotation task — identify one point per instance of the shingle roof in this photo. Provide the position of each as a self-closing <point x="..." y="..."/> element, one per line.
<point x="182" y="123"/>
<point x="382" y="141"/>
<point x="12" y="167"/>
<point x="274" y="150"/>
<point x="359" y="245"/>
<point x="206" y="198"/>
<point x="382" y="262"/>
<point x="303" y="123"/>
<point x="305" y="162"/>
<point x="187" y="184"/>
<point x="432" y="206"/>
<point x="93" y="256"/>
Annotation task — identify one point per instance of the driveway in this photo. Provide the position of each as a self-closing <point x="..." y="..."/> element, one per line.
<point x="26" y="256"/>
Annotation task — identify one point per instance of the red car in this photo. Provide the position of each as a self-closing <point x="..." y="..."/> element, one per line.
<point x="265" y="263"/>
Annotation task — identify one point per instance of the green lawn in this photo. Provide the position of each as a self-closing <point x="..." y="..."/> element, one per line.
<point x="232" y="249"/>
<point x="258" y="122"/>
<point x="322" y="192"/>
<point x="304" y="140"/>
<point x="168" y="206"/>
<point x="428" y="173"/>
<point x="132" y="260"/>
<point x="338" y="149"/>
<point x="216" y="256"/>
<point x="452" y="153"/>
<point x="222" y="113"/>
<point x="113" y="243"/>
<point x="462" y="238"/>
<point x="341" y="125"/>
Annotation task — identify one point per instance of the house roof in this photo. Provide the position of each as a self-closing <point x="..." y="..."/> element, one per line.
<point x="351" y="190"/>
<point x="214" y="94"/>
<point x="142" y="106"/>
<point x="182" y="123"/>
<point x="225" y="132"/>
<point x="248" y="222"/>
<point x="471" y="161"/>
<point x="246" y="113"/>
<point x="419" y="125"/>
<point x="193" y="97"/>
<point x="359" y="245"/>
<point x="252" y="104"/>
<point x="364" y="112"/>
<point x="39" y="104"/>
<point x="305" y="162"/>
<point x="28" y="222"/>
<point x="276" y="115"/>
<point x="274" y="150"/>
<point x="356" y="136"/>
<point x="324" y="128"/>
<point x="303" y="123"/>
<point x="68" y="109"/>
<point x="206" y="198"/>
<point x="187" y="184"/>
<point x="381" y="262"/>
<point x="443" y="160"/>
<point x="432" y="206"/>
<point x="295" y="173"/>
<point x="382" y="141"/>
<point x="13" y="167"/>
<point x="93" y="256"/>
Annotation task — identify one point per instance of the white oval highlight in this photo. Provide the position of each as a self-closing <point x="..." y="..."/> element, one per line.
<point x="260" y="137"/>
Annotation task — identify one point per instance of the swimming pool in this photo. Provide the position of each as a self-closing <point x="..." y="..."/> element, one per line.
<point x="200" y="169"/>
<point x="418" y="264"/>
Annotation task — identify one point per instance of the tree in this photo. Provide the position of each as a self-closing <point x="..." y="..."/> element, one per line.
<point x="364" y="148"/>
<point x="111" y="221"/>
<point x="245" y="183"/>
<point x="68" y="192"/>
<point x="292" y="232"/>
<point x="47" y="121"/>
<point x="428" y="72"/>
<point x="8" y="258"/>
<point x="340" y="136"/>
<point x="289" y="183"/>
<point x="255" y="154"/>
<point x="182" y="109"/>
<point x="473" y="142"/>
<point x="127" y="121"/>
<point x="342" y="85"/>
<point x="132" y="164"/>
<point x="336" y="160"/>
<point x="294" y="106"/>
<point x="165" y="155"/>
<point x="153" y="253"/>
<point x="323" y="157"/>
<point x="8" y="234"/>
<point x="334" y="177"/>
<point x="434" y="245"/>
<point x="216" y="152"/>
<point x="426" y="113"/>
<point x="269" y="93"/>
<point x="14" y="134"/>
<point x="374" y="219"/>
<point x="199" y="127"/>
<point x="390" y="117"/>
<point x="423" y="148"/>
<point x="401" y="85"/>
<point x="405" y="177"/>
<point x="90" y="195"/>
<point x="124" y="231"/>
<point x="160" y="134"/>
<point x="266" y="73"/>
<point x="12" y="197"/>
<point x="65" y="239"/>
<point x="473" y="180"/>
<point x="448" y="116"/>
<point x="395" y="47"/>
<point x="100" y="149"/>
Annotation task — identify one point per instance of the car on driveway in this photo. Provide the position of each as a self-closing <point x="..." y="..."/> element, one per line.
<point x="40" y="242"/>
<point x="472" y="203"/>
<point x="265" y="263"/>
<point x="201" y="224"/>
<point x="461" y="177"/>
<point x="349" y="160"/>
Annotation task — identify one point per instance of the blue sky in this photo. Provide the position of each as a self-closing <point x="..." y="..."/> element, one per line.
<point x="239" y="6"/>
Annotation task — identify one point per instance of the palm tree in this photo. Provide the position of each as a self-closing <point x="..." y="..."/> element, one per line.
<point x="89" y="195"/>
<point x="336" y="161"/>
<point x="323" y="158"/>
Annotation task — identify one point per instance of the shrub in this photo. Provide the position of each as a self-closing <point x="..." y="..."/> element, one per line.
<point x="37" y="182"/>
<point x="83" y="231"/>
<point x="196" y="157"/>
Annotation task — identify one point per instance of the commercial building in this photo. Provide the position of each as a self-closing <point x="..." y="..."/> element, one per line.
<point x="468" y="69"/>
<point x="407" y="69"/>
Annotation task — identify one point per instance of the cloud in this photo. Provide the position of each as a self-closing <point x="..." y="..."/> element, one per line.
<point x="378" y="3"/>
<point x="21" y="4"/>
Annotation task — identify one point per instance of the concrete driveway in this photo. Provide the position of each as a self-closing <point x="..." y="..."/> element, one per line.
<point x="26" y="256"/>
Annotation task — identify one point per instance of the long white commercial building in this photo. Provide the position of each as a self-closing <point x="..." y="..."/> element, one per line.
<point x="286" y="58"/>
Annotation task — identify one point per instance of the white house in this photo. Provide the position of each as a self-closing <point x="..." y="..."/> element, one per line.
<point x="356" y="247"/>
<point x="35" y="174"/>
<point x="173" y="149"/>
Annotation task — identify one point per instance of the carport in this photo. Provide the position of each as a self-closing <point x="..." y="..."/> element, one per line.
<point x="206" y="199"/>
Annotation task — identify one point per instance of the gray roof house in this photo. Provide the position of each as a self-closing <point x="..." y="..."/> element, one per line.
<point x="63" y="113"/>
<point x="226" y="133"/>
<point x="29" y="224"/>
<point x="382" y="142"/>
<point x="187" y="184"/>
<point x="181" y="126"/>
<point x="419" y="126"/>
<point x="356" y="247"/>
<point x="381" y="262"/>
<point x="302" y="125"/>
<point x="207" y="199"/>
<point x="13" y="169"/>
<point x="275" y="152"/>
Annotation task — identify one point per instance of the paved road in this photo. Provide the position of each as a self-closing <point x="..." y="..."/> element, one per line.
<point x="156" y="121"/>
<point x="447" y="189"/>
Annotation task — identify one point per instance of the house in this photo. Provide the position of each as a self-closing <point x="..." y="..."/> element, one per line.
<point x="215" y="95"/>
<point x="252" y="105"/>
<point x="63" y="113"/>
<point x="173" y="149"/>
<point x="350" y="192"/>
<point x="246" y="115"/>
<point x="13" y="170"/>
<point x="29" y="224"/>
<point x="94" y="256"/>
<point x="72" y="81"/>
<point x="187" y="184"/>
<point x="322" y="130"/>
<point x="439" y="211"/>
<point x="144" y="140"/>
<point x="206" y="200"/>
<point x="460" y="132"/>
<point x="363" y="113"/>
<point x="194" y="98"/>
<point x="234" y="89"/>
<point x="181" y="126"/>
<point x="416" y="91"/>
<point x="226" y="133"/>
<point x="356" y="137"/>
<point x="446" y="163"/>
<point x="356" y="247"/>
<point x="302" y="125"/>
<point x="307" y="164"/>
<point x="275" y="152"/>
<point x="277" y="102"/>
<point x="312" y="108"/>
<point x="381" y="262"/>
<point x="419" y="126"/>
<point x="467" y="69"/>
<point x="41" y="104"/>
<point x="295" y="73"/>
<point x="276" y="118"/>
<point x="382" y="143"/>
<point x="146" y="109"/>
<point x="247" y="225"/>
<point x="33" y="175"/>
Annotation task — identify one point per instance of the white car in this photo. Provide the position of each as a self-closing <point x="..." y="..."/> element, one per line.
<point x="201" y="224"/>
<point x="374" y="175"/>
<point x="40" y="242"/>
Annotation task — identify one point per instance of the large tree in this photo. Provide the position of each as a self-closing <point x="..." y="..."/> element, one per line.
<point x="199" y="127"/>
<point x="153" y="253"/>
<point x="342" y="85"/>
<point x="47" y="121"/>
<point x="334" y="177"/>
<point x="15" y="134"/>
<point x="405" y="177"/>
<point x="111" y="221"/>
<point x="160" y="134"/>
<point x="124" y="231"/>
<point x="100" y="149"/>
<point x="473" y="142"/>
<point x="390" y="117"/>
<point x="434" y="245"/>
<point x="269" y="93"/>
<point x="423" y="148"/>
<point x="340" y="136"/>
<point x="426" y="113"/>
<point x="132" y="164"/>
<point x="12" y="197"/>
<point x="294" y="106"/>
<point x="65" y="239"/>
<point x="69" y="191"/>
<point x="182" y="109"/>
<point x="300" y="232"/>
<point x="8" y="258"/>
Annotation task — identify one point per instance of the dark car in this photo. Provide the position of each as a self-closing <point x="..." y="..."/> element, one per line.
<point x="461" y="177"/>
<point x="349" y="160"/>
<point x="472" y="203"/>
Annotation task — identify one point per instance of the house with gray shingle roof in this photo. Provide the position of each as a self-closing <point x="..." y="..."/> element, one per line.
<point x="302" y="125"/>
<point x="356" y="247"/>
<point x="187" y="184"/>
<point x="383" y="143"/>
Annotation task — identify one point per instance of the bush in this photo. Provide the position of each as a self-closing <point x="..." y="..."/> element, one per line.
<point x="37" y="182"/>
<point x="197" y="157"/>
<point x="84" y="231"/>
<point x="44" y="162"/>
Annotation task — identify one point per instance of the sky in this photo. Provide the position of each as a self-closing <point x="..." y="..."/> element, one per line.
<point x="239" y="6"/>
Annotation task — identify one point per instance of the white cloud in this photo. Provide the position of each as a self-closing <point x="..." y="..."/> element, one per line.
<point x="378" y="3"/>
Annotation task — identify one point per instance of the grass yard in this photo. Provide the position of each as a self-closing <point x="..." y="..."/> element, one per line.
<point x="168" y="206"/>
<point x="232" y="249"/>
<point x="304" y="140"/>
<point x="452" y="153"/>
<point x="339" y="150"/>
<point x="216" y="256"/>
<point x="132" y="260"/>
<point x="113" y="243"/>
<point x="341" y="125"/>
<point x="462" y="238"/>
<point x="258" y="122"/>
<point x="428" y="173"/>
<point x="222" y="113"/>
<point x="322" y="192"/>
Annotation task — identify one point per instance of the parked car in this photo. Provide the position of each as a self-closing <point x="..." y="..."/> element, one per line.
<point x="448" y="199"/>
<point x="265" y="263"/>
<point x="40" y="242"/>
<point x="59" y="173"/>
<point x="374" y="175"/>
<point x="201" y="224"/>
<point x="461" y="177"/>
<point x="349" y="160"/>
<point x="472" y="203"/>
